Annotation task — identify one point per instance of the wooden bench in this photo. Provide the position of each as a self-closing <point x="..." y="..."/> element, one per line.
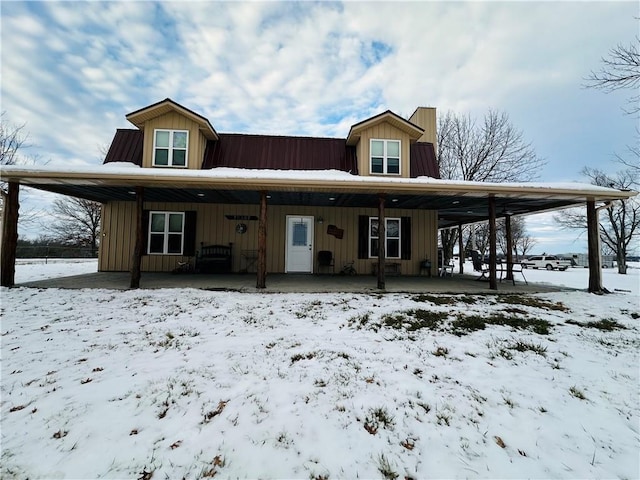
<point x="214" y="259"/>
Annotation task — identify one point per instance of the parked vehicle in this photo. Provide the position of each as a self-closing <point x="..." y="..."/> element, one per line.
<point x="550" y="262"/>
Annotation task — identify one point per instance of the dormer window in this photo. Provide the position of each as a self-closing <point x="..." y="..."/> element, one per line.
<point x="170" y="148"/>
<point x="385" y="157"/>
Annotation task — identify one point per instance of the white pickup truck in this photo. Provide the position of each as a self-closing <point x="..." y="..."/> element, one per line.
<point x="550" y="262"/>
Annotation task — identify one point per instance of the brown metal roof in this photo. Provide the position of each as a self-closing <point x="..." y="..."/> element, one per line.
<point x="423" y="160"/>
<point x="280" y="153"/>
<point x="273" y="152"/>
<point x="126" y="146"/>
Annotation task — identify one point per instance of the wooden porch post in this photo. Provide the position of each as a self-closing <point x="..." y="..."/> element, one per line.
<point x="593" y="245"/>
<point x="460" y="249"/>
<point x="9" y="235"/>
<point x="507" y="226"/>
<point x="382" y="240"/>
<point x="261" y="281"/>
<point x="136" y="259"/>
<point x="493" y="279"/>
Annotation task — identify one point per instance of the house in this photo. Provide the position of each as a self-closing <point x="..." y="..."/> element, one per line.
<point x="173" y="185"/>
<point x="300" y="223"/>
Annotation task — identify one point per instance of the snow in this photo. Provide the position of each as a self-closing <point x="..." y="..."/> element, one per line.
<point x="177" y="383"/>
<point x="131" y="171"/>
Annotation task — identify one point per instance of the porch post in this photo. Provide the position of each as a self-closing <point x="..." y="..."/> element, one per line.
<point x="136" y="259"/>
<point x="9" y="235"/>
<point x="507" y="226"/>
<point x="593" y="245"/>
<point x="493" y="280"/>
<point x="460" y="249"/>
<point x="261" y="281"/>
<point x="382" y="239"/>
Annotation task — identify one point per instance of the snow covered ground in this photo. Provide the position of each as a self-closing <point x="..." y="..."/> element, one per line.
<point x="187" y="383"/>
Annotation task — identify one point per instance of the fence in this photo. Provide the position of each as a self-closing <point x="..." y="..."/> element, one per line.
<point x="55" y="251"/>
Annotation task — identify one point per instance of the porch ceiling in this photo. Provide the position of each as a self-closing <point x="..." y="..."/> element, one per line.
<point x="453" y="207"/>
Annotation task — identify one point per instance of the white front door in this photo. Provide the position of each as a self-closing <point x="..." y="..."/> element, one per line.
<point x="299" y="251"/>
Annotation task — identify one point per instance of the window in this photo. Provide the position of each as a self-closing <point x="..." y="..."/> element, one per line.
<point x="385" y="156"/>
<point x="170" y="148"/>
<point x="166" y="233"/>
<point x="392" y="231"/>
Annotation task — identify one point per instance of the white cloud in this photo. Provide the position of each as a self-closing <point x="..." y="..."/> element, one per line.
<point x="72" y="70"/>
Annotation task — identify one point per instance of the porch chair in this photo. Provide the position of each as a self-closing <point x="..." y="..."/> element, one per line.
<point x="444" y="269"/>
<point x="326" y="260"/>
<point x="479" y="266"/>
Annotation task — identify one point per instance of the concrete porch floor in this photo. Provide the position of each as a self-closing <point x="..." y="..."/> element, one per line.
<point x="288" y="283"/>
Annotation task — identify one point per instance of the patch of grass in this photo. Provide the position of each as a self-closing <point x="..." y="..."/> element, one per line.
<point x="532" y="302"/>
<point x="470" y="323"/>
<point x="506" y="354"/>
<point x="384" y="467"/>
<point x="211" y="470"/>
<point x="508" y="402"/>
<point x="443" y="418"/>
<point x="359" y="321"/>
<point x="576" y="392"/>
<point x="376" y="418"/>
<point x="302" y="356"/>
<point x="408" y="443"/>
<point x="435" y="300"/>
<point x="210" y="415"/>
<point x="522" y="346"/>
<point x="441" y="352"/>
<point x="606" y="324"/>
<point x="413" y="320"/>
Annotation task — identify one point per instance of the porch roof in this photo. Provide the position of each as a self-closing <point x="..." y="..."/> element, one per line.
<point x="457" y="202"/>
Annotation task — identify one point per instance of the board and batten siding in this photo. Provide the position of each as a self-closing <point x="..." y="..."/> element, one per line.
<point x="212" y="227"/>
<point x="425" y="118"/>
<point x="383" y="131"/>
<point x="174" y="121"/>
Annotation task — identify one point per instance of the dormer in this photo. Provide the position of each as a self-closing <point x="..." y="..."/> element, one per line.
<point x="174" y="136"/>
<point x="383" y="145"/>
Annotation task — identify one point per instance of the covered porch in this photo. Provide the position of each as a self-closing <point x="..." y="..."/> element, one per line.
<point x="457" y="203"/>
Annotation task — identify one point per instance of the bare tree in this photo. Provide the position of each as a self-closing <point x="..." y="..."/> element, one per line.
<point x="620" y="70"/>
<point x="13" y="142"/>
<point x="77" y="222"/>
<point x="619" y="223"/>
<point x="522" y="241"/>
<point x="492" y="150"/>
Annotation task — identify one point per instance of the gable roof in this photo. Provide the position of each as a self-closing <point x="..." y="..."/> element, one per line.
<point x="397" y="121"/>
<point x="139" y="117"/>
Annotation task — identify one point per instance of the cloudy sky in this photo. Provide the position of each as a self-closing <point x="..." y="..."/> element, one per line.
<point x="71" y="71"/>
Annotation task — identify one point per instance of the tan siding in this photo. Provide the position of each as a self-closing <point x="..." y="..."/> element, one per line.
<point x="425" y="117"/>
<point x="174" y="121"/>
<point x="383" y="131"/>
<point x="214" y="228"/>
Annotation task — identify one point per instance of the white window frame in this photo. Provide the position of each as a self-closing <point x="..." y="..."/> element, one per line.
<point x="385" y="156"/>
<point x="170" y="148"/>
<point x="386" y="244"/>
<point x="165" y="233"/>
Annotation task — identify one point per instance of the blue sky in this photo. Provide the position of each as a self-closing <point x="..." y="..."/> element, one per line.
<point x="72" y="70"/>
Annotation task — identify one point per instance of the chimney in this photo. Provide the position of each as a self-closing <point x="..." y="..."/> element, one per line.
<point x="425" y="118"/>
